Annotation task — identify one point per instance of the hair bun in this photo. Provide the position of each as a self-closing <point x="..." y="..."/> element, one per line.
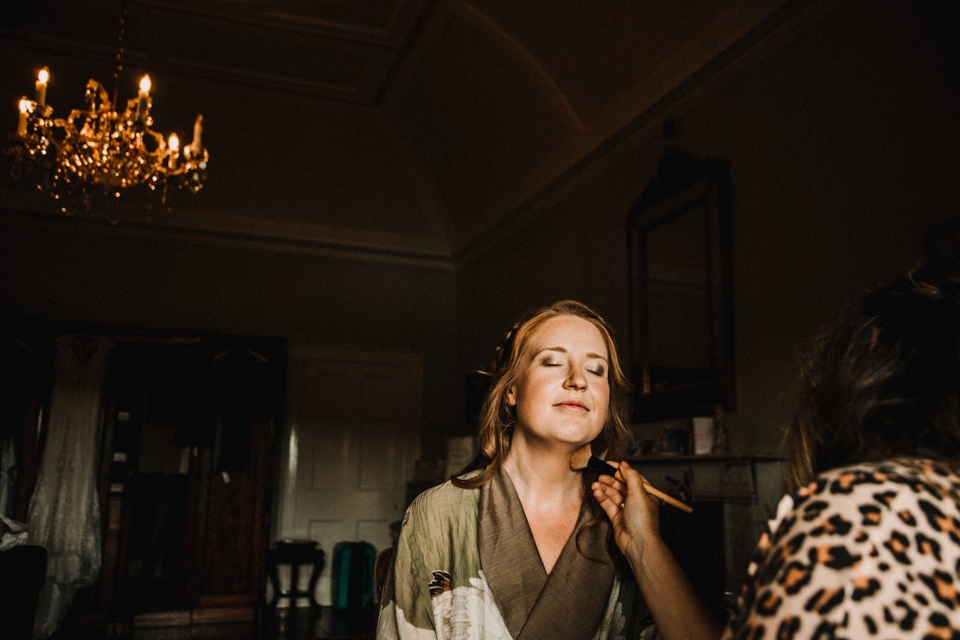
<point x="506" y="346"/>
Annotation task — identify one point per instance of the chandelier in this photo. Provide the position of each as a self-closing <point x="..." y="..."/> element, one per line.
<point x="100" y="150"/>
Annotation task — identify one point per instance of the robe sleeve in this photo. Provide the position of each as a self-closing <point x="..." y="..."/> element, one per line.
<point x="406" y="612"/>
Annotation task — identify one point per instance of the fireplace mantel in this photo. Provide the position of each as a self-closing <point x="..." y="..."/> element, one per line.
<point x="733" y="498"/>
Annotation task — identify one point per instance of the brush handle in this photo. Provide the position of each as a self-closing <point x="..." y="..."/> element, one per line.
<point x="607" y="469"/>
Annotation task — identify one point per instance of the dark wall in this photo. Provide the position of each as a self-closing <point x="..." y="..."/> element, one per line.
<point x="118" y="276"/>
<point x="844" y="144"/>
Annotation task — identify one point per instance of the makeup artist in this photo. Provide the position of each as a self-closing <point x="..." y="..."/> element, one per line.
<point x="516" y="546"/>
<point x="866" y="543"/>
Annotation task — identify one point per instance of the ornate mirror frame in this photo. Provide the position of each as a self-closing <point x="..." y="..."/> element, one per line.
<point x="681" y="290"/>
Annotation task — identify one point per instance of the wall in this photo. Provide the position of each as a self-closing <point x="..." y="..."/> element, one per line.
<point x="117" y="275"/>
<point x="844" y="145"/>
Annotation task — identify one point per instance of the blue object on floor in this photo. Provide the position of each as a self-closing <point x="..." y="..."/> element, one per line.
<point x="352" y="575"/>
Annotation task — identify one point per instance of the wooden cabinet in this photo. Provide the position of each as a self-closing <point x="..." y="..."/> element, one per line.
<point x="187" y="446"/>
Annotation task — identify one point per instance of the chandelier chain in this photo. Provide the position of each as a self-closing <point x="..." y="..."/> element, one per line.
<point x="118" y="70"/>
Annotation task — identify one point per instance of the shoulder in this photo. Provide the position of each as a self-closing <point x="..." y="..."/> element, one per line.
<point x="443" y="496"/>
<point x="858" y="540"/>
<point x="438" y="538"/>
<point x="878" y="484"/>
<point x="441" y="507"/>
<point x="867" y="498"/>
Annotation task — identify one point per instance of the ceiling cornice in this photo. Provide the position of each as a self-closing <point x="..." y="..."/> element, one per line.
<point x="193" y="226"/>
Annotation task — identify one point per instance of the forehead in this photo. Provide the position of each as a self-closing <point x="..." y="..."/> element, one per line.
<point x="568" y="332"/>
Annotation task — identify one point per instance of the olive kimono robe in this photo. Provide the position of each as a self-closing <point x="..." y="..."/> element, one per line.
<point x="466" y="568"/>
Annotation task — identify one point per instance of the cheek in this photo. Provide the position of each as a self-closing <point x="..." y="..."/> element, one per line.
<point x="603" y="400"/>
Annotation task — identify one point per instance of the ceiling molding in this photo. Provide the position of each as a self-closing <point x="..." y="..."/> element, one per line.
<point x="272" y="15"/>
<point x="187" y="225"/>
<point x="365" y="56"/>
<point x="364" y="89"/>
<point x="371" y="56"/>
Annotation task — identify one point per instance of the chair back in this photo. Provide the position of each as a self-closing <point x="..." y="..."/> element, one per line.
<point x="381" y="567"/>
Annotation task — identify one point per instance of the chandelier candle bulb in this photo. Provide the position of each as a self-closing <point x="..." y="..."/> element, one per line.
<point x="197" y="132"/>
<point x="143" y="96"/>
<point x="24" y="114"/>
<point x="42" y="78"/>
<point x="174" y="144"/>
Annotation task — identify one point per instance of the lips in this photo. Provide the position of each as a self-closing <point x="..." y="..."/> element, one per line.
<point x="573" y="404"/>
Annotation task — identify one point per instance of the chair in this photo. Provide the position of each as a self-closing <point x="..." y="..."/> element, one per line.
<point x="381" y="567"/>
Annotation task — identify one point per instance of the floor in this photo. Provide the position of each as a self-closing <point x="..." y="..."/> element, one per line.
<point x="279" y="624"/>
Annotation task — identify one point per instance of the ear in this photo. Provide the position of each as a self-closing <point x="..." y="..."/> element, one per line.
<point x="511" y="396"/>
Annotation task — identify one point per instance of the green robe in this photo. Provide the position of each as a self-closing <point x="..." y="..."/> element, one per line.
<point x="466" y="568"/>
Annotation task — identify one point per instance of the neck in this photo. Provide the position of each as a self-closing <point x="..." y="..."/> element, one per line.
<point x="542" y="475"/>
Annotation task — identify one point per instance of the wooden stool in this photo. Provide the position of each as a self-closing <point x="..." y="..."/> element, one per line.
<point x="295" y="553"/>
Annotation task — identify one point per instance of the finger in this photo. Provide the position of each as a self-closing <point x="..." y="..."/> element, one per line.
<point x="615" y="469"/>
<point x="613" y="482"/>
<point x="635" y="483"/>
<point x="609" y="500"/>
<point x="616" y="485"/>
<point x="610" y="492"/>
<point x="630" y="475"/>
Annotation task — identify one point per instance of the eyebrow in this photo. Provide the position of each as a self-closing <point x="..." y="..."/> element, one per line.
<point x="592" y="356"/>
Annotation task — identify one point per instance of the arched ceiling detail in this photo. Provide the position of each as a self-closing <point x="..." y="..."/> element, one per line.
<point x="402" y="127"/>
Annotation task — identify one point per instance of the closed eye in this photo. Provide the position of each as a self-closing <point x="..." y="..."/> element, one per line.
<point x="597" y="372"/>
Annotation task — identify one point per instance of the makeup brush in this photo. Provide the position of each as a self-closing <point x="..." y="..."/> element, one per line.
<point x="584" y="459"/>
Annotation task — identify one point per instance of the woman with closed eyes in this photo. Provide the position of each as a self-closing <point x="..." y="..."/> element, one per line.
<point x="516" y="546"/>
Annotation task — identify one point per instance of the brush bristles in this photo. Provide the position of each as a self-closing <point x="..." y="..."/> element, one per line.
<point x="581" y="459"/>
<point x="584" y="459"/>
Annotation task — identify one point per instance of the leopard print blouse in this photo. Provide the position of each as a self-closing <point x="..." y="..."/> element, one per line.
<point x="861" y="552"/>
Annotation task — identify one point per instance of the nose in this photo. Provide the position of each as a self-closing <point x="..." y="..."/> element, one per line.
<point x="575" y="380"/>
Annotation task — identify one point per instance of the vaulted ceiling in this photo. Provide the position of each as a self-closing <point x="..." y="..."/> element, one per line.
<point x="406" y="127"/>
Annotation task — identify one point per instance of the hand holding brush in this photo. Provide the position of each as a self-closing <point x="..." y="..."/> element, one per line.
<point x="584" y="459"/>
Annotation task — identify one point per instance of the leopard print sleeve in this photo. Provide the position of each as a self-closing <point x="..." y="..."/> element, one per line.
<point x="867" y="551"/>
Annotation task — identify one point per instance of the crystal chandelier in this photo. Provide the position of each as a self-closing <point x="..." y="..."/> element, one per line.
<point x="99" y="150"/>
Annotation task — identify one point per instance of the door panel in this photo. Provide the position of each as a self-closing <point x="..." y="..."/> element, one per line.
<point x="353" y="435"/>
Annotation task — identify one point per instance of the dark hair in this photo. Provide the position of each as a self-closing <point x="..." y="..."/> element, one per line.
<point x="886" y="381"/>
<point x="498" y="418"/>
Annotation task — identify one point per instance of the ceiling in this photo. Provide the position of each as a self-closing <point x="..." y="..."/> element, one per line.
<point x="418" y="128"/>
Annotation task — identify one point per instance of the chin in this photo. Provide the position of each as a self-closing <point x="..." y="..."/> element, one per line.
<point x="579" y="439"/>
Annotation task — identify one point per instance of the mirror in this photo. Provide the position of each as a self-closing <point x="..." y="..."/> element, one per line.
<point x="681" y="290"/>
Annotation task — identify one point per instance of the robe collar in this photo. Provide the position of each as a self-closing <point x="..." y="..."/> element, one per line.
<point x="567" y="603"/>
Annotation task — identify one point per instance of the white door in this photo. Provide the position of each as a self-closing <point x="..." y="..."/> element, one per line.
<point x="351" y="439"/>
